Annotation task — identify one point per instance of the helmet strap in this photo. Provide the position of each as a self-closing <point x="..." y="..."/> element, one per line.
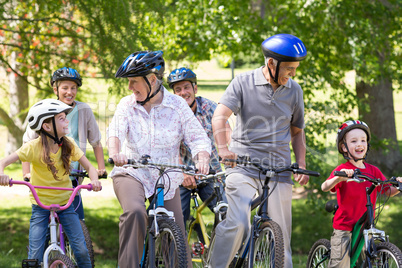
<point x="55" y="138"/>
<point x="192" y="104"/>
<point x="276" y="72"/>
<point x="354" y="159"/>
<point x="149" y="96"/>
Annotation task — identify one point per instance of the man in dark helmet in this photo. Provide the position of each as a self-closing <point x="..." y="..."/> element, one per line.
<point x="183" y="81"/>
<point x="270" y="114"/>
<point x="151" y="121"/>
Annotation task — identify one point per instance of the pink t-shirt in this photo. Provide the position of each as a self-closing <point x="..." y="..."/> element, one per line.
<point x="352" y="196"/>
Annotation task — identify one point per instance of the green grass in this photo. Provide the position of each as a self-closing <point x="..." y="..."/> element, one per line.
<point x="102" y="217"/>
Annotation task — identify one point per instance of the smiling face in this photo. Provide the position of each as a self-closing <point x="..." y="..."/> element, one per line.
<point x="66" y="91"/>
<point x="286" y="71"/>
<point x="185" y="90"/>
<point x="356" y="140"/>
<point x="61" y="125"/>
<point x="139" y="87"/>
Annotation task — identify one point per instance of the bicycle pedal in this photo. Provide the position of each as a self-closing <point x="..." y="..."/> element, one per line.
<point x="197" y="248"/>
<point x="31" y="263"/>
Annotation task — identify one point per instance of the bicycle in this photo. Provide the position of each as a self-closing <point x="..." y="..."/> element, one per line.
<point x="198" y="238"/>
<point x="370" y="247"/>
<point x="164" y="245"/>
<point x="56" y="253"/>
<point x="265" y="246"/>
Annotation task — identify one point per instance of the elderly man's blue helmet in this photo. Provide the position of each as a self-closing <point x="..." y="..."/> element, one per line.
<point x="283" y="47"/>
<point x="142" y="63"/>
<point x="181" y="74"/>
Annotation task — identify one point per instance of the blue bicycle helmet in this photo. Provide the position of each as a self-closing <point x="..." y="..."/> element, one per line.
<point x="142" y="63"/>
<point x="66" y="73"/>
<point x="181" y="74"/>
<point x="283" y="48"/>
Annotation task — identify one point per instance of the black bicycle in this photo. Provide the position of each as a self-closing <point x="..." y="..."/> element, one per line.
<point x="370" y="247"/>
<point x="265" y="247"/>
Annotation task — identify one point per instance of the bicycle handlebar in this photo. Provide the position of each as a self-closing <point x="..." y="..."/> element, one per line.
<point x="294" y="168"/>
<point x="144" y="162"/>
<point x="84" y="173"/>
<point x="53" y="207"/>
<point x="359" y="177"/>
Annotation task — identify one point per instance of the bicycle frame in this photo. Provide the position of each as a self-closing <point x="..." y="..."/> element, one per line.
<point x="261" y="215"/>
<point x="53" y="215"/>
<point x="199" y="208"/>
<point x="363" y="230"/>
<point x="154" y="212"/>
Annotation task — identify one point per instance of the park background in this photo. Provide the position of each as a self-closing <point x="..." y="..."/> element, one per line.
<point x="352" y="71"/>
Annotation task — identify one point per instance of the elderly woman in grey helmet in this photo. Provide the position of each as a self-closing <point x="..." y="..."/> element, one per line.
<point x="150" y="121"/>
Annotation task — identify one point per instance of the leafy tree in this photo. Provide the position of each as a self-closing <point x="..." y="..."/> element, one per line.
<point x="38" y="37"/>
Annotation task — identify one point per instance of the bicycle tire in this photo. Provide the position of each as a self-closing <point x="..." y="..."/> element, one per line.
<point x="170" y="246"/>
<point x="268" y="247"/>
<point x="88" y="242"/>
<point x="388" y="255"/>
<point x="319" y="254"/>
<point x="61" y="261"/>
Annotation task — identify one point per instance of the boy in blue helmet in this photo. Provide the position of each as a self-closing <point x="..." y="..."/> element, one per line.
<point x="183" y="81"/>
<point x="269" y="111"/>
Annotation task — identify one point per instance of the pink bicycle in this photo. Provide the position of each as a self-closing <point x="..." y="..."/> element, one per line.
<point x="58" y="253"/>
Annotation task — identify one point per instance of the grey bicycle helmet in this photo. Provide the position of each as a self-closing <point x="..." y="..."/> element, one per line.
<point x="142" y="63"/>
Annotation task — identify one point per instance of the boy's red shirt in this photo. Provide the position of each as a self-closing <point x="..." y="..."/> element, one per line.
<point x="352" y="196"/>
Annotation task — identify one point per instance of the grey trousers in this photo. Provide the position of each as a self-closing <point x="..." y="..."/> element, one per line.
<point x="340" y="249"/>
<point x="233" y="231"/>
<point x="134" y="220"/>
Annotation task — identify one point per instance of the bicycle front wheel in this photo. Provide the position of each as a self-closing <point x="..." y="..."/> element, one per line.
<point x="268" y="247"/>
<point x="88" y="242"/>
<point x="318" y="256"/>
<point x="61" y="261"/>
<point x="388" y="255"/>
<point x="170" y="246"/>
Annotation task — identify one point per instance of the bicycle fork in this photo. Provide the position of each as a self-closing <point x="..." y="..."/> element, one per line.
<point x="53" y="239"/>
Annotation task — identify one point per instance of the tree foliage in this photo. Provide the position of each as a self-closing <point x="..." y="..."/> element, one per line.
<point x="94" y="36"/>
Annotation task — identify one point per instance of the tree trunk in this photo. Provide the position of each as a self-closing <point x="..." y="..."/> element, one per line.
<point x="376" y="107"/>
<point x="19" y="101"/>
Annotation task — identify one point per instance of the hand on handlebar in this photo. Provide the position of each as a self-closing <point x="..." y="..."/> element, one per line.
<point x="4" y="180"/>
<point x="189" y="182"/>
<point x="96" y="185"/>
<point x="202" y="162"/>
<point x="226" y="154"/>
<point x="119" y="159"/>
<point x="302" y="179"/>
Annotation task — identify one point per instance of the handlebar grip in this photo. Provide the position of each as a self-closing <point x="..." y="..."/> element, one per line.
<point x="340" y="174"/>
<point x="212" y="172"/>
<point x="311" y="173"/>
<point x="129" y="161"/>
